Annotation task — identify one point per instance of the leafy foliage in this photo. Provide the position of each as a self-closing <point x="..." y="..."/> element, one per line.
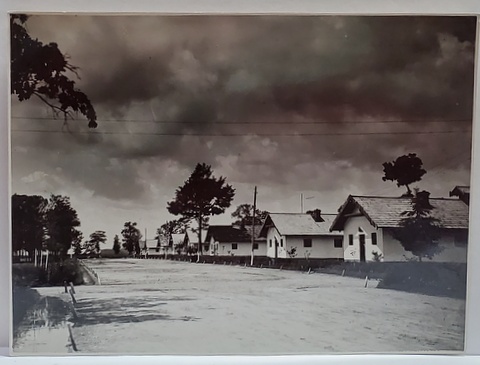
<point x="62" y="221"/>
<point x="164" y="233"/>
<point x="131" y="237"/>
<point x="405" y="170"/>
<point x="116" y="245"/>
<point x="202" y="195"/>
<point x="92" y="246"/>
<point x="419" y="232"/>
<point x="40" y="69"/>
<point x="28" y="222"/>
<point x="244" y="215"/>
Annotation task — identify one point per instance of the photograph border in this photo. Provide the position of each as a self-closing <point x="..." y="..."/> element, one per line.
<point x="281" y="7"/>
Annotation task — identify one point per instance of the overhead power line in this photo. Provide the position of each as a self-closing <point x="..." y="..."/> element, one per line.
<point x="178" y="134"/>
<point x="385" y="121"/>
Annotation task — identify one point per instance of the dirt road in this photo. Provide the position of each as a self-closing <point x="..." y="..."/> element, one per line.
<point x="165" y="307"/>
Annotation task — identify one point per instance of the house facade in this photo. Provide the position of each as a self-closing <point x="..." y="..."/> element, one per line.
<point x="369" y="224"/>
<point x="232" y="241"/>
<point x="298" y="235"/>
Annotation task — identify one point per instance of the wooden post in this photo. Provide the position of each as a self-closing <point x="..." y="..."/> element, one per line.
<point x="72" y="287"/>
<point x="73" y="297"/>
<point x="343" y="272"/>
<point x="65" y="285"/>
<point x="253" y="224"/>
<point x="366" y="281"/>
<point x="72" y="341"/>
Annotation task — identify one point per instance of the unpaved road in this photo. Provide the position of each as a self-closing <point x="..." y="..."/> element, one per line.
<point x="165" y="307"/>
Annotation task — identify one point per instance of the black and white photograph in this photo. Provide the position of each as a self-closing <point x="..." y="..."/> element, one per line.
<point x="200" y="184"/>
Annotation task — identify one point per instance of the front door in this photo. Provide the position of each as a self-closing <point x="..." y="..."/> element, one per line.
<point x="362" y="247"/>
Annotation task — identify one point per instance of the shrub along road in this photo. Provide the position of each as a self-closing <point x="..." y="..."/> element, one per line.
<point x="167" y="307"/>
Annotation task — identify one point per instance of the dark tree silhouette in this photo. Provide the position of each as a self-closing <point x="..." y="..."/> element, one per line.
<point x="77" y="243"/>
<point x="419" y="232"/>
<point x="92" y="246"/>
<point x="116" y="245"/>
<point x="61" y="223"/>
<point x="405" y="170"/>
<point x="131" y="237"/>
<point x="202" y="195"/>
<point x="243" y="215"/>
<point x="28" y="222"/>
<point x="39" y="69"/>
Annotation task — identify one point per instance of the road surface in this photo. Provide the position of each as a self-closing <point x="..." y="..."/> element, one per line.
<point x="167" y="307"/>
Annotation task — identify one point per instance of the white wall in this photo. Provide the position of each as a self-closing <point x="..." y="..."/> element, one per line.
<point x="352" y="252"/>
<point x="322" y="247"/>
<point x="394" y="250"/>
<point x="243" y="249"/>
<point x="271" y="235"/>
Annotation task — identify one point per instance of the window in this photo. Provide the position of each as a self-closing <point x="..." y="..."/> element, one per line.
<point x="350" y="239"/>
<point x="307" y="242"/>
<point x="281" y="242"/>
<point x="338" y="242"/>
<point x="270" y="243"/>
<point x="374" y="238"/>
<point x="255" y="246"/>
<point x="234" y="246"/>
<point x="206" y="247"/>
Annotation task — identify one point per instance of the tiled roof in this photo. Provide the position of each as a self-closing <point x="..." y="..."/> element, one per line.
<point x="298" y="224"/>
<point x="258" y="227"/>
<point x="387" y="212"/>
<point x="228" y="234"/>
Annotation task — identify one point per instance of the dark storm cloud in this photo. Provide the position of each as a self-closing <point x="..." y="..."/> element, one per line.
<point x="208" y="75"/>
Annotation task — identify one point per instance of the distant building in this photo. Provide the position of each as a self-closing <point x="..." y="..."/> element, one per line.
<point x="191" y="240"/>
<point x="301" y="235"/>
<point x="230" y="240"/>
<point x="367" y="223"/>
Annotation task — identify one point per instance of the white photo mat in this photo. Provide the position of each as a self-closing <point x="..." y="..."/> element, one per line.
<point x="472" y="340"/>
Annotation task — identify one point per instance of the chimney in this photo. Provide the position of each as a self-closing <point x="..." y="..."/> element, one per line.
<point x="317" y="215"/>
<point x="422" y="199"/>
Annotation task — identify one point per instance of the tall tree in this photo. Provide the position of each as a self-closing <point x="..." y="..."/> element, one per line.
<point x="40" y="70"/>
<point x="77" y="243"/>
<point x="62" y="222"/>
<point x="131" y="237"/>
<point x="92" y="246"/>
<point x="164" y="233"/>
<point x="405" y="170"/>
<point x="28" y="222"/>
<point x="243" y="215"/>
<point x="116" y="245"/>
<point x="419" y="231"/>
<point x="202" y="195"/>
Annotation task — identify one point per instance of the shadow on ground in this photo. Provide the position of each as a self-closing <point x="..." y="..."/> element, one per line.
<point x="123" y="310"/>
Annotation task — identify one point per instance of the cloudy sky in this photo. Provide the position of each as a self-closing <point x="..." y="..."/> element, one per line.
<point x="295" y="105"/>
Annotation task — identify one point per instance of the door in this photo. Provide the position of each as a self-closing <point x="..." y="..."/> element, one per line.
<point x="362" y="247"/>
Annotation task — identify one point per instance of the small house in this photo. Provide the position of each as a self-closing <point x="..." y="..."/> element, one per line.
<point x="233" y="241"/>
<point x="191" y="240"/>
<point x="301" y="235"/>
<point x="368" y="224"/>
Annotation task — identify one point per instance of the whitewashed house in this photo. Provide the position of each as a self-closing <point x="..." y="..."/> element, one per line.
<point x="367" y="223"/>
<point x="191" y="240"/>
<point x="232" y="241"/>
<point x="152" y="248"/>
<point x="299" y="235"/>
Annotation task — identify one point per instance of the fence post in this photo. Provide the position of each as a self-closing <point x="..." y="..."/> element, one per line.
<point x="65" y="285"/>
<point x="73" y="297"/>
<point x="366" y="281"/>
<point x="72" y="287"/>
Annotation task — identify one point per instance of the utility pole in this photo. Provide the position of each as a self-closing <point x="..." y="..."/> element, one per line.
<point x="253" y="224"/>
<point x="301" y="202"/>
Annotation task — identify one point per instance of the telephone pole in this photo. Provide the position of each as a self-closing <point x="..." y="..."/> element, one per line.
<point x="253" y="224"/>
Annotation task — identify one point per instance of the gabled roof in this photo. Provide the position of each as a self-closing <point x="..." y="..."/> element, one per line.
<point x="178" y="238"/>
<point x="193" y="236"/>
<point x="298" y="224"/>
<point x="463" y="192"/>
<point x="386" y="212"/>
<point x="228" y="234"/>
<point x="258" y="227"/>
